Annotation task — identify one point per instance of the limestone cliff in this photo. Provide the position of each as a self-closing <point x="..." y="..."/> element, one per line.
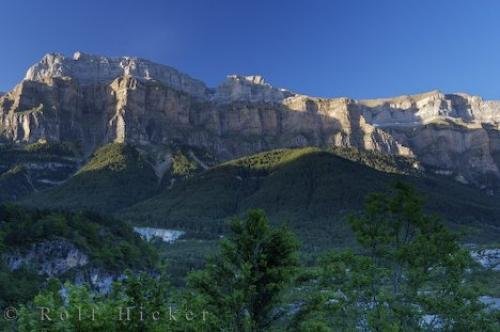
<point x="94" y="100"/>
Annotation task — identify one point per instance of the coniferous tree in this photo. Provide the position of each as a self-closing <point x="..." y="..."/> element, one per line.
<point x="409" y="276"/>
<point x="244" y="283"/>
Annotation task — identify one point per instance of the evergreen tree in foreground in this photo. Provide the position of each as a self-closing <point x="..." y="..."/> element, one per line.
<point x="243" y="284"/>
<point x="410" y="275"/>
<point x="141" y="303"/>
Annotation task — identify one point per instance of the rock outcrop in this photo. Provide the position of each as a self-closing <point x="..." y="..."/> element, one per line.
<point x="92" y="69"/>
<point x="95" y="100"/>
<point x="49" y="258"/>
<point x="61" y="258"/>
<point x="487" y="258"/>
<point x="252" y="89"/>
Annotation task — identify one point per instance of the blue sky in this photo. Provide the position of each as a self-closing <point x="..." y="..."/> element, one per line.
<point x="360" y="49"/>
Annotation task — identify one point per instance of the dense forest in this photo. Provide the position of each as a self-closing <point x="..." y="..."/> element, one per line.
<point x="408" y="272"/>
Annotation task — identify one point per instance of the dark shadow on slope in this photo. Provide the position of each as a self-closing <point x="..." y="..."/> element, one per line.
<point x="311" y="190"/>
<point x="114" y="178"/>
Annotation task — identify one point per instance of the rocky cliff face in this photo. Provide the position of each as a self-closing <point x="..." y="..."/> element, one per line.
<point x="50" y="258"/>
<point x="95" y="100"/>
<point x="91" y="69"/>
<point x="252" y="89"/>
<point x="61" y="259"/>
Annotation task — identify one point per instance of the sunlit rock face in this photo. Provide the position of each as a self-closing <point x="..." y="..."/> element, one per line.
<point x="253" y="89"/>
<point x="165" y="235"/>
<point x="94" y="100"/>
<point x="91" y="69"/>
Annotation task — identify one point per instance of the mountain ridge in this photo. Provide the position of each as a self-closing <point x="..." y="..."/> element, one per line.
<point x="93" y="101"/>
<point x="107" y="68"/>
<point x="311" y="189"/>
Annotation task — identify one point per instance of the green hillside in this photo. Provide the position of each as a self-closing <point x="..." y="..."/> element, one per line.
<point x="115" y="177"/>
<point x="14" y="183"/>
<point x="311" y="190"/>
<point x="34" y="167"/>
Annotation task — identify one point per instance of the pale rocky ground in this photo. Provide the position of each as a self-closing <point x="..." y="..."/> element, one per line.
<point x="487" y="258"/>
<point x="492" y="303"/>
<point x="165" y="235"/>
<point x="94" y="100"/>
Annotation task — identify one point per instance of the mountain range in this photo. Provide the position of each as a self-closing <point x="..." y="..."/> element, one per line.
<point x="94" y="100"/>
<point x="151" y="145"/>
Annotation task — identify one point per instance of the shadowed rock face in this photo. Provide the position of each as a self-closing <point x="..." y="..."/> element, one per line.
<point x="50" y="258"/>
<point x="95" y="100"/>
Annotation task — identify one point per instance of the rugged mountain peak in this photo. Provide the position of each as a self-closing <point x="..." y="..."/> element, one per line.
<point x="94" y="100"/>
<point x="431" y="107"/>
<point x="253" y="89"/>
<point x="91" y="69"/>
<point x="252" y="79"/>
<point x="256" y="79"/>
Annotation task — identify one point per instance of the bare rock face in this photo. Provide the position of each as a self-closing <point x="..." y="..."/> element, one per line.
<point x="249" y="89"/>
<point x="487" y="258"/>
<point x="92" y="69"/>
<point x="59" y="257"/>
<point x="50" y="258"/>
<point x="94" y="100"/>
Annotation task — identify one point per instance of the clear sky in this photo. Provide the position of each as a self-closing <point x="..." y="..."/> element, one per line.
<point x="360" y="49"/>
